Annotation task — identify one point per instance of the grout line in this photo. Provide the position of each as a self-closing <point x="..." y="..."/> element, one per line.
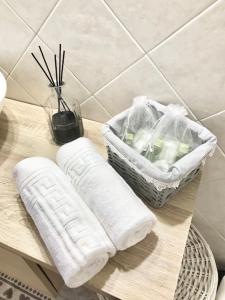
<point x="106" y="84"/>
<point x="120" y="74"/>
<point x="28" y="45"/>
<point x="22" y="87"/>
<point x="92" y="94"/>
<point x="21" y="101"/>
<point x="183" y="26"/>
<point x="148" y="52"/>
<point x="111" y="80"/>
<point x="27" y="24"/>
<point x="213" y="115"/>
<point x="49" y="15"/>
<point x="25" y="102"/>
<point x="172" y="88"/>
<point x="123" y="25"/>
<point x="107" y="113"/>
<point x="25" y="51"/>
<point x="10" y="74"/>
<point x="154" y="64"/>
<point x="221" y="150"/>
<point x="119" y="21"/>
<point x="102" y="106"/>
<point x="22" y="55"/>
<point x="81" y="83"/>
<point x="35" y="35"/>
<point x="218" y="144"/>
<point x="86" y="100"/>
<point x="4" y="72"/>
<point x="17" y="15"/>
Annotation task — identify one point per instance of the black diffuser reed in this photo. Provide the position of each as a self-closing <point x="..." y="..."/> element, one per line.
<point x="66" y="123"/>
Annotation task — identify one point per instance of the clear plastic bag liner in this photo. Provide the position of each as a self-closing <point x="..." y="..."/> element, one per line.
<point x="197" y="142"/>
<point x="172" y="138"/>
<point x="137" y="127"/>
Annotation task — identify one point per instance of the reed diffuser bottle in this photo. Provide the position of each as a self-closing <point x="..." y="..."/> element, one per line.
<point x="64" y="114"/>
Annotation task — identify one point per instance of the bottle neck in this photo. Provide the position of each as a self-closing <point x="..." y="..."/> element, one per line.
<point x="56" y="91"/>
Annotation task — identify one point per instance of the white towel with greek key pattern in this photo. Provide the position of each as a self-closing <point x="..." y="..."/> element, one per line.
<point x="75" y="239"/>
<point x="123" y="215"/>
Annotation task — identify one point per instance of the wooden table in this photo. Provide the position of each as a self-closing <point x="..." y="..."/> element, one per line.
<point x="146" y="271"/>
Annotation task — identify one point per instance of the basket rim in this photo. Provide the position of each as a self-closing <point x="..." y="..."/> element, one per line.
<point x="148" y="169"/>
<point x="214" y="283"/>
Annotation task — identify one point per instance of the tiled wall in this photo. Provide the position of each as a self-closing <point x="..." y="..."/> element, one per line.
<point x="172" y="51"/>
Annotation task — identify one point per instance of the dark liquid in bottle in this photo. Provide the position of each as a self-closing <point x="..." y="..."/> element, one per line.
<point x="66" y="127"/>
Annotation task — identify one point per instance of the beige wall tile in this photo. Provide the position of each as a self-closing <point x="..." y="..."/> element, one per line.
<point x="15" y="37"/>
<point x="193" y="61"/>
<point x="31" y="11"/>
<point x="97" y="47"/>
<point x="211" y="195"/>
<point x="30" y="77"/>
<point x="213" y="238"/>
<point x="92" y="110"/>
<point x="140" y="79"/>
<point x="216" y="124"/>
<point x="4" y="72"/>
<point x="210" y="206"/>
<point x="17" y="92"/>
<point x="151" y="21"/>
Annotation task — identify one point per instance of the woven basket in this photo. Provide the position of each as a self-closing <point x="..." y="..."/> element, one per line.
<point x="139" y="173"/>
<point x="198" y="278"/>
<point x="145" y="190"/>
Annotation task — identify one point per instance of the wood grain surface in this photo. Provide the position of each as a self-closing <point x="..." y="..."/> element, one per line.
<point x="146" y="271"/>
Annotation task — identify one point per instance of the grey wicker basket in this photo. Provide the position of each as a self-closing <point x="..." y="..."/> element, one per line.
<point x="145" y="190"/>
<point x="149" y="184"/>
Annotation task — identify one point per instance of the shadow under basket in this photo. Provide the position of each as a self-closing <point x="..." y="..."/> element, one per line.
<point x="143" y="189"/>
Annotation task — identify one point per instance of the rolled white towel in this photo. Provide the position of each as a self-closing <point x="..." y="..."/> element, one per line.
<point x="74" y="237"/>
<point x="123" y="215"/>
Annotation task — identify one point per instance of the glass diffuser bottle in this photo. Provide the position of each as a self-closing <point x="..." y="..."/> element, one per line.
<point x="64" y="116"/>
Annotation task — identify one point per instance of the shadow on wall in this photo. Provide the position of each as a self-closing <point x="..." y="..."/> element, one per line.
<point x="210" y="206"/>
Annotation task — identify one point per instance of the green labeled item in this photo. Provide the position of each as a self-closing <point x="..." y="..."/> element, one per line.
<point x="158" y="145"/>
<point x="162" y="139"/>
<point x="183" y="149"/>
<point x="129" y="138"/>
<point x="141" y="140"/>
<point x="153" y="152"/>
